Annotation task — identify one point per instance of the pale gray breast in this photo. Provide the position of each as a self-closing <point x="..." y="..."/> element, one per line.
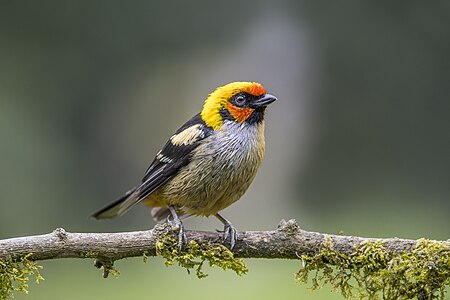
<point x="221" y="170"/>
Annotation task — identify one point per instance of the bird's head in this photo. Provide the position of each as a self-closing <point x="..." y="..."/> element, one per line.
<point x="237" y="101"/>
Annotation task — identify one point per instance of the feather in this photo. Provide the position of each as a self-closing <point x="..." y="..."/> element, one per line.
<point x="167" y="163"/>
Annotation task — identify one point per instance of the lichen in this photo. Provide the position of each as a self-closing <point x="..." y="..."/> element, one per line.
<point x="145" y="256"/>
<point x="289" y="227"/>
<point x="107" y="266"/>
<point x="374" y="272"/>
<point x="194" y="256"/>
<point x="89" y="254"/>
<point x="15" y="274"/>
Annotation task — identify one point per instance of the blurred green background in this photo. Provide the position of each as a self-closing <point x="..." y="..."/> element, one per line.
<point x="358" y="142"/>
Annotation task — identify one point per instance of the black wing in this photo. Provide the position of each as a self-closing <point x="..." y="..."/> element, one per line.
<point x="175" y="154"/>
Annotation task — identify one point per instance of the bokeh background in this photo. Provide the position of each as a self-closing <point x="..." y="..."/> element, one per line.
<point x="358" y="142"/>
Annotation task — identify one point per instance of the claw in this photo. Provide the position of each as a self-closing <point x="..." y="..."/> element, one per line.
<point x="228" y="231"/>
<point x="177" y="225"/>
<point x="169" y="221"/>
<point x="181" y="234"/>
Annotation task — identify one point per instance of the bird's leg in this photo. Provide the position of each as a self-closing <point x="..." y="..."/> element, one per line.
<point x="177" y="222"/>
<point x="228" y="230"/>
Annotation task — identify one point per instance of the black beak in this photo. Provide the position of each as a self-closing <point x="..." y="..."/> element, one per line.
<point x="264" y="101"/>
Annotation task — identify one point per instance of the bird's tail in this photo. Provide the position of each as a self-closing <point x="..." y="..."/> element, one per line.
<point x="118" y="207"/>
<point x="122" y="204"/>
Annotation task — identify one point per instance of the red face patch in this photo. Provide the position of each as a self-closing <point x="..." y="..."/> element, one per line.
<point x="239" y="114"/>
<point x="255" y="89"/>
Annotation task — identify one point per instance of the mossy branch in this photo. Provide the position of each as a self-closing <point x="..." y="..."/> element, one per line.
<point x="393" y="268"/>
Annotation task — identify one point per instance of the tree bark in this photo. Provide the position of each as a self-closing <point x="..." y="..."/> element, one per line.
<point x="288" y="241"/>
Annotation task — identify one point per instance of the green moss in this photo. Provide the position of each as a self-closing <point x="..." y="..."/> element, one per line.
<point x="194" y="256"/>
<point x="14" y="275"/>
<point x="115" y="272"/>
<point x="89" y="254"/>
<point x="145" y="256"/>
<point x="373" y="272"/>
<point x="107" y="266"/>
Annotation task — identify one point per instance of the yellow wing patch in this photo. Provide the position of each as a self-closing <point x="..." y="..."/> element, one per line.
<point x="217" y="99"/>
<point x="187" y="136"/>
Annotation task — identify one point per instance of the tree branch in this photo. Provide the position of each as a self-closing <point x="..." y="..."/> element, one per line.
<point x="288" y="241"/>
<point x="395" y="268"/>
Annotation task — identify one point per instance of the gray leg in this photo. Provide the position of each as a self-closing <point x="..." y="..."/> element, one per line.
<point x="228" y="230"/>
<point x="177" y="222"/>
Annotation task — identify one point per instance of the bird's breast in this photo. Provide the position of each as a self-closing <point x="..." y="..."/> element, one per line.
<point x="222" y="168"/>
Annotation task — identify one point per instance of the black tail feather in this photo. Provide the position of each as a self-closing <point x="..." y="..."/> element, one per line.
<point x="112" y="209"/>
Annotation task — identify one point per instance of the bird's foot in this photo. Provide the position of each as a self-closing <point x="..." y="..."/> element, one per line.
<point x="231" y="232"/>
<point x="228" y="231"/>
<point x="177" y="225"/>
<point x="181" y="234"/>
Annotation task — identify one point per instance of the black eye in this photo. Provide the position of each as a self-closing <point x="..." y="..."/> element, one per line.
<point x="240" y="100"/>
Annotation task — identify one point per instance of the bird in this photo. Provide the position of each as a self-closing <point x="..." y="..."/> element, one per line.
<point x="207" y="164"/>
